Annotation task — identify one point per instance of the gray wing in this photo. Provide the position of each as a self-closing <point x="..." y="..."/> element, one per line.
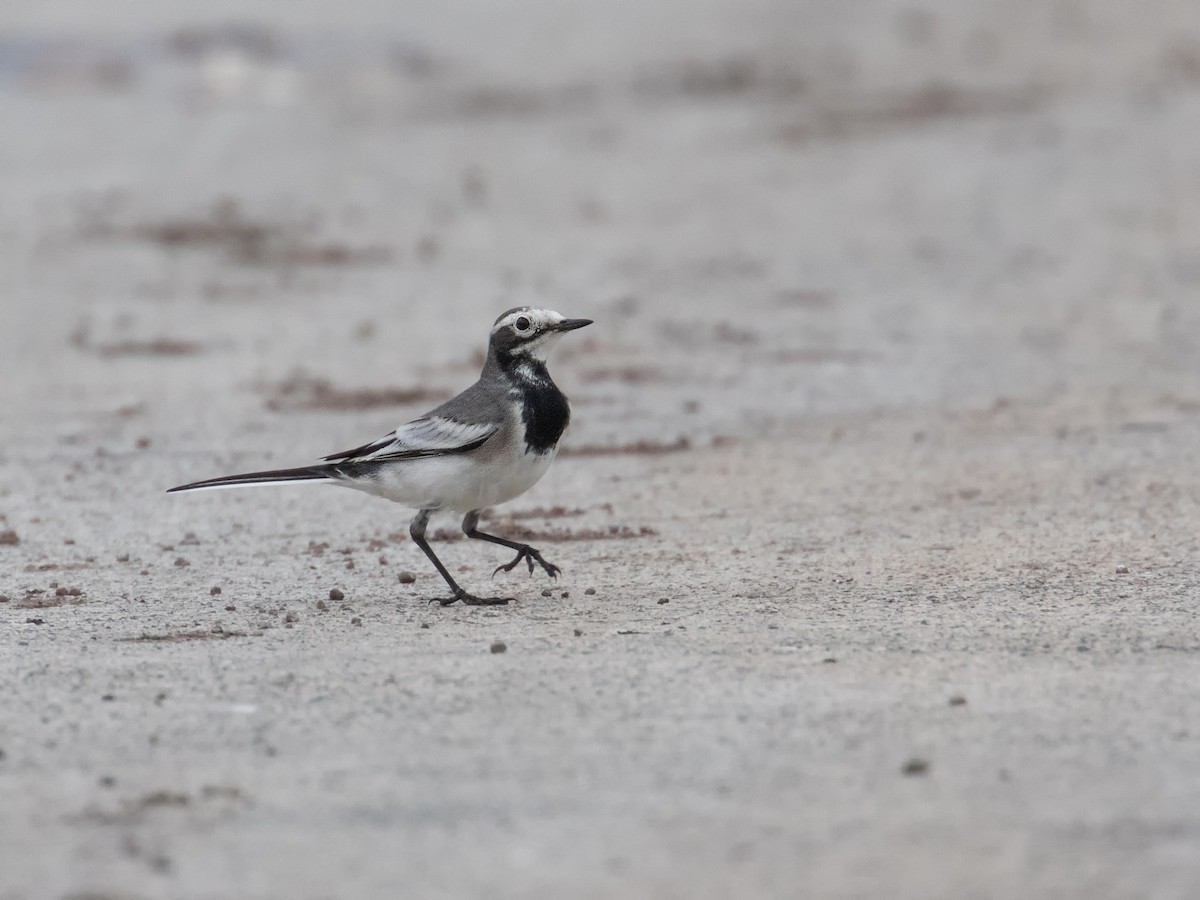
<point x="431" y="435"/>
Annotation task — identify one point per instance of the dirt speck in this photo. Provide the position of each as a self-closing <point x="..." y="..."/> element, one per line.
<point x="356" y="621"/>
<point x="498" y="646"/>
<point x="611" y="533"/>
<point x="214" y="592"/>
<point x="915" y="767"/>
<point x="635" y="448"/>
<point x="958" y="700"/>
<point x="8" y="536"/>
<point x="180" y="562"/>
<point x="36" y="598"/>
<point x="625" y="374"/>
<point x="306" y="393"/>
<point x="150" y="347"/>
<point x="538" y="512"/>
<point x="291" y="617"/>
<point x="177" y="637"/>
<point x="164" y="798"/>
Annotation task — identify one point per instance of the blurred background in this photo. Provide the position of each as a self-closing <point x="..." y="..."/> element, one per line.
<point x="912" y="282"/>
<point x="774" y="209"/>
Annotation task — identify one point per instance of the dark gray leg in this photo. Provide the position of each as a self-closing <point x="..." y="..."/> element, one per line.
<point x="417" y="529"/>
<point x="524" y="551"/>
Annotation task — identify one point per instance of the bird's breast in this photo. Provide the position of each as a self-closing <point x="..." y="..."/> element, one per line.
<point x="545" y="414"/>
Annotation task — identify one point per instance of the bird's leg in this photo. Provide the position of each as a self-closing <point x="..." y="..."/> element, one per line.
<point x="524" y="551"/>
<point x="417" y="530"/>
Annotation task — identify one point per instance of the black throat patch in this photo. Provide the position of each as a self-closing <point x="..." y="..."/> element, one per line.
<point x="544" y="408"/>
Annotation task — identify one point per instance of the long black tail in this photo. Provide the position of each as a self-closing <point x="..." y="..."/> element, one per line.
<point x="277" y="476"/>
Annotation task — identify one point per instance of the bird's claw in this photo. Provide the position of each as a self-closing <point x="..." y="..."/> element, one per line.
<point x="529" y="555"/>
<point x="471" y="600"/>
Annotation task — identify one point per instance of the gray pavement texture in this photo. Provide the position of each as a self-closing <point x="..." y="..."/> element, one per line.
<point x="878" y="517"/>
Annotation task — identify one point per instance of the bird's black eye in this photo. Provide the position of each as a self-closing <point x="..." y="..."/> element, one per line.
<point x="522" y="324"/>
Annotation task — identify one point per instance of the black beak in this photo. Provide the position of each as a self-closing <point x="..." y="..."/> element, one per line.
<point x="572" y="324"/>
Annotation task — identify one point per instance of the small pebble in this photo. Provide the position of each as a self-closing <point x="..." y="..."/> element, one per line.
<point x="290" y="617"/>
<point x="383" y="561"/>
<point x="499" y="646"/>
<point x="322" y="605"/>
<point x="958" y="700"/>
<point x="214" y="592"/>
<point x="663" y="600"/>
<point x="590" y="591"/>
<point x="829" y="659"/>
<point x="424" y="624"/>
<point x="231" y="608"/>
<point x="547" y="592"/>
<point x="356" y="621"/>
<point x="124" y="557"/>
<point x="1122" y="570"/>
<point x="181" y="562"/>
<point x="566" y="594"/>
<point x="578" y="632"/>
<point x="915" y="766"/>
<point x="407" y="577"/>
<point x="336" y="596"/>
<point x="9" y="537"/>
<point x="108" y="698"/>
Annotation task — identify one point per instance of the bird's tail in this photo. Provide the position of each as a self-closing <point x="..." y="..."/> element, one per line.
<point x="277" y="476"/>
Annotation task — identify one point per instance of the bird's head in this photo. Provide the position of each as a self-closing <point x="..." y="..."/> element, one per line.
<point x="530" y="332"/>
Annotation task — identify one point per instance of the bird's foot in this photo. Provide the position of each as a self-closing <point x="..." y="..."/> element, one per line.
<point x="530" y="555"/>
<point x="472" y="600"/>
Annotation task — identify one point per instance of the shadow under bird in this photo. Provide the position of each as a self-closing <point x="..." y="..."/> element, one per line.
<point x="489" y="444"/>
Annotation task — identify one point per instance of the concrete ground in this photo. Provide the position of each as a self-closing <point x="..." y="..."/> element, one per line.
<point x="878" y="518"/>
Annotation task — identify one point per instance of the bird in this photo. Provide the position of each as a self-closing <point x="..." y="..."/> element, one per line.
<point x="487" y="445"/>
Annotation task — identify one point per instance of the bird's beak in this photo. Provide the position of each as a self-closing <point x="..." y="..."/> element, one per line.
<point x="572" y="324"/>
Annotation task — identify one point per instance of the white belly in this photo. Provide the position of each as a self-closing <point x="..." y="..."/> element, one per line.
<point x="459" y="482"/>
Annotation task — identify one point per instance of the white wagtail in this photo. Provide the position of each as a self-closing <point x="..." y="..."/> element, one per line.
<point x="487" y="445"/>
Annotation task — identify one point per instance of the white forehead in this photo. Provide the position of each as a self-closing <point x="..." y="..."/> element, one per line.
<point x="541" y="318"/>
